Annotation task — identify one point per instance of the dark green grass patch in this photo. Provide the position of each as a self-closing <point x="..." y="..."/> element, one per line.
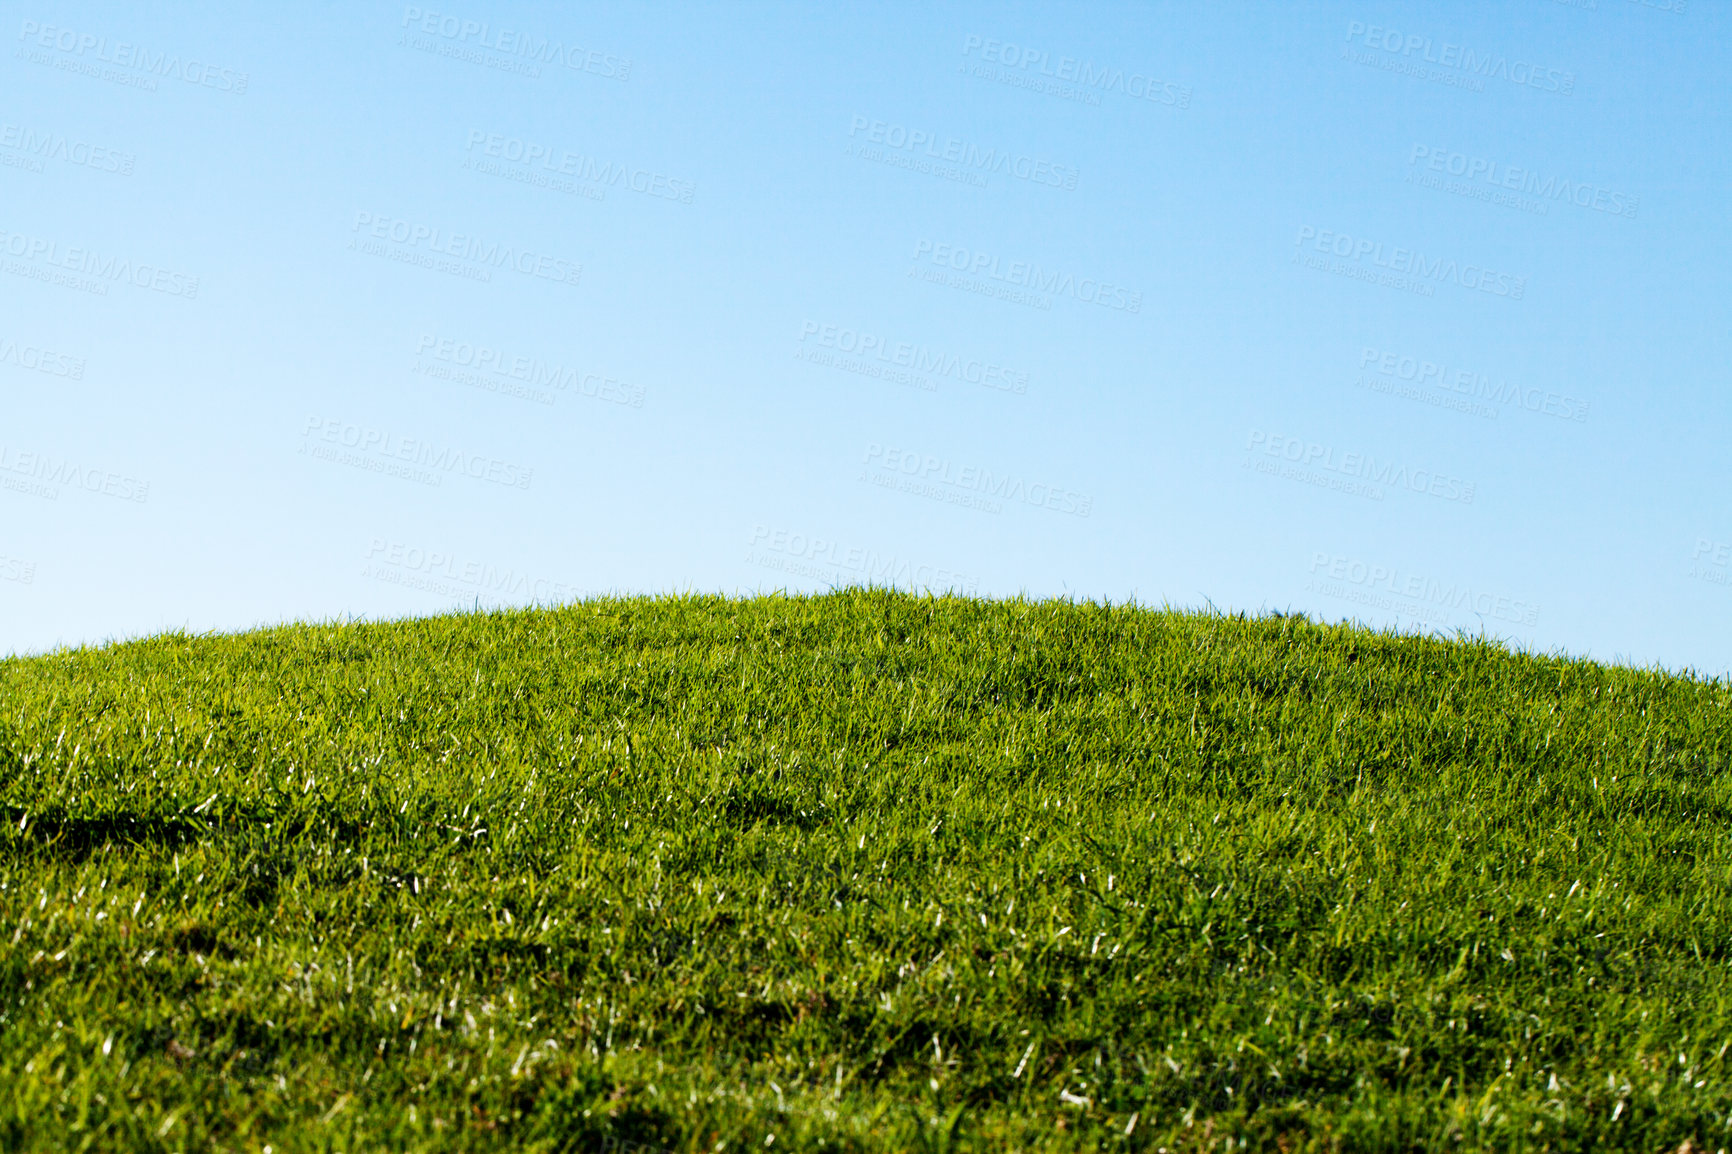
<point x="859" y="872"/>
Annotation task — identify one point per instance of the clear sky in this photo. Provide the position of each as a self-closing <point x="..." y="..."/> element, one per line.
<point x="1415" y="314"/>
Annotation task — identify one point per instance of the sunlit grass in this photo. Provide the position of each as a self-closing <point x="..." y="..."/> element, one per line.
<point x="865" y="871"/>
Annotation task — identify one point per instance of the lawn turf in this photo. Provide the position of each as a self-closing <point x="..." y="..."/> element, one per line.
<point x="864" y="871"/>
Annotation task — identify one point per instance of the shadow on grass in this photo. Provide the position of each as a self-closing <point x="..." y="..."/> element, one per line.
<point x="69" y="836"/>
<point x="76" y="837"/>
<point x="746" y="808"/>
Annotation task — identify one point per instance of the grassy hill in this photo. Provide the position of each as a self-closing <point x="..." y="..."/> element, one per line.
<point x="859" y="872"/>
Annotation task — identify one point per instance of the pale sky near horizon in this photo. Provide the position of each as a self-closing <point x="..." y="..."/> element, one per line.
<point x="1410" y="314"/>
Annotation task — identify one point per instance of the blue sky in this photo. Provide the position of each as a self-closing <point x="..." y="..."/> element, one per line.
<point x="1411" y="314"/>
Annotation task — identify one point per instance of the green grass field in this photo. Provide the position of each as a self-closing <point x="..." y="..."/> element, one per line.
<point x="859" y="872"/>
